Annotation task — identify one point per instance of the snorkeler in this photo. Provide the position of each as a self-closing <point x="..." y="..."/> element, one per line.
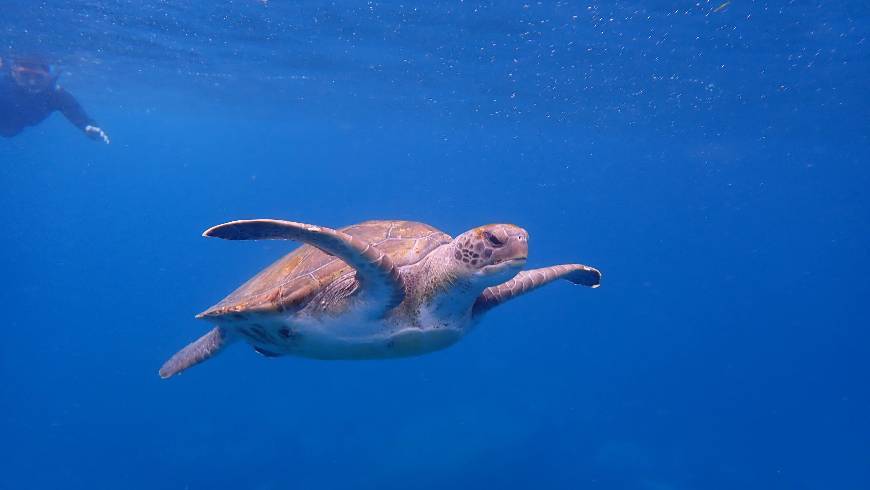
<point x="29" y="93"/>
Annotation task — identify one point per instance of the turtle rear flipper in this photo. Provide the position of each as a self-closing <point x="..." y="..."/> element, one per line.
<point x="266" y="353"/>
<point x="196" y="352"/>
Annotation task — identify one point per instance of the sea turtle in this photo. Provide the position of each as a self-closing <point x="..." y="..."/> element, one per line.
<point x="377" y="289"/>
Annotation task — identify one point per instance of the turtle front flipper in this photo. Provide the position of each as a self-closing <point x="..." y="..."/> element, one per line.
<point x="203" y="348"/>
<point x="378" y="277"/>
<point x="528" y="280"/>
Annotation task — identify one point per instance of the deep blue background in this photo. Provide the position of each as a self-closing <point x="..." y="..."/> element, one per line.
<point x="712" y="162"/>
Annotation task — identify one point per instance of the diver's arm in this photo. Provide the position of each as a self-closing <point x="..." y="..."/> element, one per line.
<point x="69" y="106"/>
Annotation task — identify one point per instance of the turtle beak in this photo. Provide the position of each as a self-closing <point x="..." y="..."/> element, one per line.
<point x="516" y="247"/>
<point x="520" y="246"/>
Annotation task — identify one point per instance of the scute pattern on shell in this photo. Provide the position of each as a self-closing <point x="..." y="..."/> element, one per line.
<point x="290" y="282"/>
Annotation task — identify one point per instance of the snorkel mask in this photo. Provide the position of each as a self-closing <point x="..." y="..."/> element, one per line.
<point x="33" y="75"/>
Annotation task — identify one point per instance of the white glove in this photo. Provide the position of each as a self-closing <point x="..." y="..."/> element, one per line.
<point x="96" y="133"/>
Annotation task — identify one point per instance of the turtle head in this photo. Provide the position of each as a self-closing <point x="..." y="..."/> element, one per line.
<point x="491" y="254"/>
<point x="475" y="260"/>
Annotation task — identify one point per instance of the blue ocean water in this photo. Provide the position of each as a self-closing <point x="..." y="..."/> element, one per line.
<point x="709" y="157"/>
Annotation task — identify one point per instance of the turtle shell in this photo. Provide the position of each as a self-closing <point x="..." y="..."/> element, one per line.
<point x="290" y="282"/>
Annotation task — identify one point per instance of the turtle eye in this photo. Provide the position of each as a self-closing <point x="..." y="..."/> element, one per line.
<point x="492" y="239"/>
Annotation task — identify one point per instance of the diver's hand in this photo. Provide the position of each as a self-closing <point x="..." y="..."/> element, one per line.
<point x="97" y="134"/>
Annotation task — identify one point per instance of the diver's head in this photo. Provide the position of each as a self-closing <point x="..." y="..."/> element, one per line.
<point x="32" y="73"/>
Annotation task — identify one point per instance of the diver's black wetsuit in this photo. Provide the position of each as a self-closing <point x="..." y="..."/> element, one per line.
<point x="20" y="108"/>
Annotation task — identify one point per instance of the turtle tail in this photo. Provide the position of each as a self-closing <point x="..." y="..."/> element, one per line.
<point x="203" y="348"/>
